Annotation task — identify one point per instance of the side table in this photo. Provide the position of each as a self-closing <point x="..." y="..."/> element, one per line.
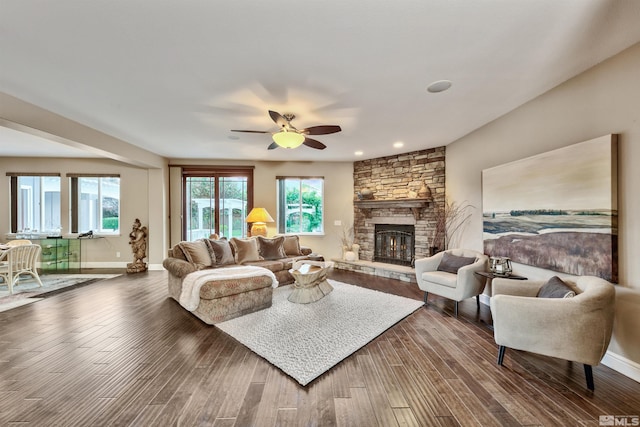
<point x="489" y="276"/>
<point x="310" y="282"/>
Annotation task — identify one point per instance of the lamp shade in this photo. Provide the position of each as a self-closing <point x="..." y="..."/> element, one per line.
<point x="288" y="139"/>
<point x="259" y="217"/>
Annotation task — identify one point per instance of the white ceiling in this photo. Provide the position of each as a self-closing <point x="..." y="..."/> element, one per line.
<point x="173" y="77"/>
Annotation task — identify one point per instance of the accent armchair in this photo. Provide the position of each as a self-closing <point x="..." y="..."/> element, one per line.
<point x="433" y="277"/>
<point x="576" y="329"/>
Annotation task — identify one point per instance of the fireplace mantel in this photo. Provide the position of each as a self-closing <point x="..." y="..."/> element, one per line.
<point x="414" y="204"/>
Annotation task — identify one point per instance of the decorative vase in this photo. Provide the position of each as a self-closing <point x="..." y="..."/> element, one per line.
<point x="355" y="248"/>
<point x="424" y="192"/>
<point x="366" y="193"/>
<point x="349" y="256"/>
<point x="345" y="249"/>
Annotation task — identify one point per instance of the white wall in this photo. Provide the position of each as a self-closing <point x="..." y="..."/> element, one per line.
<point x="338" y="193"/>
<point x="601" y="101"/>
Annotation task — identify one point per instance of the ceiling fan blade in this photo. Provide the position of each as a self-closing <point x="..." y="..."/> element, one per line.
<point x="321" y="130"/>
<point x="250" y="131"/>
<point x="272" y="146"/>
<point x="314" y="144"/>
<point x="278" y="118"/>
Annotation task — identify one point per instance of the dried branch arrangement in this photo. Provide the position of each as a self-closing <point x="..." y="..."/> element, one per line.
<point x="449" y="218"/>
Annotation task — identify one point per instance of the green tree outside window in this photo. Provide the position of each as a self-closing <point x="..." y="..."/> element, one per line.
<point x="300" y="205"/>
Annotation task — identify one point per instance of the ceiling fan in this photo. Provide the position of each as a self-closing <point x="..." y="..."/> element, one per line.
<point x="290" y="137"/>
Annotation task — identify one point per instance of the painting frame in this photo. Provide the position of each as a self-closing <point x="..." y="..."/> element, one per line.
<point x="556" y="210"/>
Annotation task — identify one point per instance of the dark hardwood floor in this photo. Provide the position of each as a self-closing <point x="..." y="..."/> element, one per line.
<point x="120" y="352"/>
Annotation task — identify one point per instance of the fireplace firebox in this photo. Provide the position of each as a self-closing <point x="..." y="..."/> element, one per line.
<point x="394" y="244"/>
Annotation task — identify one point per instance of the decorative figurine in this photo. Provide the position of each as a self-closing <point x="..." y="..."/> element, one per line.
<point x="138" y="242"/>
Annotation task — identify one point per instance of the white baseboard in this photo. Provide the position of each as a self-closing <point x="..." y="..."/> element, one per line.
<point x="104" y="265"/>
<point x="621" y="364"/>
<point x="117" y="265"/>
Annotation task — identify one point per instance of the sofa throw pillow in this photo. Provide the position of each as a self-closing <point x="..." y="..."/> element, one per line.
<point x="196" y="253"/>
<point x="221" y="250"/>
<point x="292" y="245"/>
<point x="245" y="250"/>
<point x="451" y="263"/>
<point x="271" y="248"/>
<point x="556" y="288"/>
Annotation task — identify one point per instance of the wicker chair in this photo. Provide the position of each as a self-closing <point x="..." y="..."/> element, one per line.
<point x="18" y="260"/>
<point x="18" y="242"/>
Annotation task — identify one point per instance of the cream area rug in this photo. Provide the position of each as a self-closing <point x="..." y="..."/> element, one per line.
<point x="306" y="340"/>
<point x="27" y="291"/>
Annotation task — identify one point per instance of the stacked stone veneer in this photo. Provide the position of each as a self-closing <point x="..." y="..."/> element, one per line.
<point x="393" y="178"/>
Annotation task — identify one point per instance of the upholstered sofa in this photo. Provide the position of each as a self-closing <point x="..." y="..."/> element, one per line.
<point x="240" y="293"/>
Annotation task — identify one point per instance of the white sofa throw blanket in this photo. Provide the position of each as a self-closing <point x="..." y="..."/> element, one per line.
<point x="191" y="284"/>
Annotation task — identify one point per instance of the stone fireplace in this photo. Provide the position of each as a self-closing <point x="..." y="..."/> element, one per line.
<point x="395" y="182"/>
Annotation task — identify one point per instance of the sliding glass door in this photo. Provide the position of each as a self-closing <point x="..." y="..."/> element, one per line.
<point x="216" y="201"/>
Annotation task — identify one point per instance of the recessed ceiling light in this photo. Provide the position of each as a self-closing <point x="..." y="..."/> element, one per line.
<point x="358" y="153"/>
<point x="439" y="86"/>
<point x="398" y="144"/>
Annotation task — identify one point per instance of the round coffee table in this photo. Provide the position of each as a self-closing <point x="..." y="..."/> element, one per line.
<point x="310" y="282"/>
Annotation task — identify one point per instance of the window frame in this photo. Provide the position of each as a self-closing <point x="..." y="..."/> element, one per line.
<point x="15" y="190"/>
<point x="74" y="202"/>
<point x="281" y="201"/>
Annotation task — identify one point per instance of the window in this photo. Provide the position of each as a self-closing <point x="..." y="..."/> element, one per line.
<point x="35" y="203"/>
<point x="300" y="205"/>
<point x="95" y="203"/>
<point x="216" y="200"/>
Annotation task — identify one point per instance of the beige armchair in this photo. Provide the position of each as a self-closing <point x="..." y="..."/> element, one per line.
<point x="465" y="284"/>
<point x="576" y="329"/>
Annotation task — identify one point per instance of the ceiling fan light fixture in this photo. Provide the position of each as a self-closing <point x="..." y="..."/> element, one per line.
<point x="288" y="139"/>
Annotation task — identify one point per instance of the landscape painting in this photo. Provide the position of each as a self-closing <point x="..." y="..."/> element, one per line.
<point x="556" y="210"/>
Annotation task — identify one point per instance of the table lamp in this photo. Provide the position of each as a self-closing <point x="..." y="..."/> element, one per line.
<point x="259" y="218"/>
